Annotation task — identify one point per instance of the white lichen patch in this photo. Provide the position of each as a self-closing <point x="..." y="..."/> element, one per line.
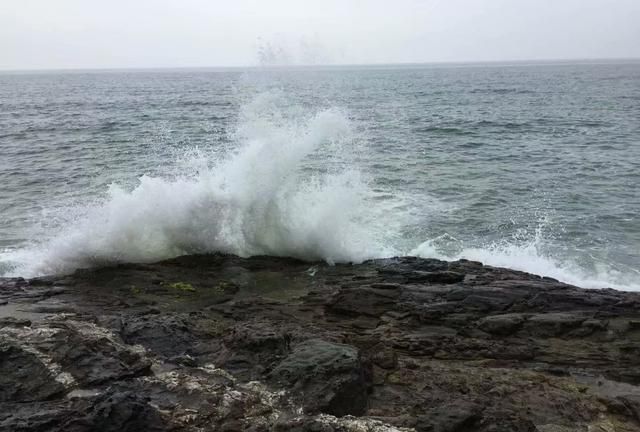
<point x="172" y="380"/>
<point x="253" y="401"/>
<point x="229" y="399"/>
<point x="355" y="424"/>
<point x="182" y="381"/>
<point x="66" y="379"/>
<point x="93" y="331"/>
<point x="30" y="333"/>
<point x="38" y="338"/>
<point x="83" y="393"/>
<point x="266" y="396"/>
<point x="211" y="369"/>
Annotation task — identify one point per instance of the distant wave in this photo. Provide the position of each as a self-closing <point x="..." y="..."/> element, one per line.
<point x="444" y="130"/>
<point x="502" y="91"/>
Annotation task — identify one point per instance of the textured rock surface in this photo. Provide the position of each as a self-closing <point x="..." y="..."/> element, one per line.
<point x="330" y="377"/>
<point x="222" y="343"/>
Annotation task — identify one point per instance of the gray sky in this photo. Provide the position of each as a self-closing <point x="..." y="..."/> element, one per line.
<point x="51" y="34"/>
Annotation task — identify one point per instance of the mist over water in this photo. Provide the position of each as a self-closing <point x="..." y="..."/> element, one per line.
<point x="533" y="168"/>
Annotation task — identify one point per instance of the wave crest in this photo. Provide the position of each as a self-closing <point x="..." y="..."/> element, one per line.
<point x="267" y="197"/>
<point x="530" y="253"/>
<point x="288" y="186"/>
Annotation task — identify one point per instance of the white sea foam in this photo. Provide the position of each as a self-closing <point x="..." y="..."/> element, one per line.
<point x="264" y="198"/>
<point x="291" y="187"/>
<point x="530" y="255"/>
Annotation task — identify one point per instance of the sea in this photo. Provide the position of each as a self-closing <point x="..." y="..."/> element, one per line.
<point x="531" y="166"/>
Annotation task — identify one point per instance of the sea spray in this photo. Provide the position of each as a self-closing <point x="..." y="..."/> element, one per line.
<point x="289" y="182"/>
<point x="533" y="253"/>
<point x="266" y="197"/>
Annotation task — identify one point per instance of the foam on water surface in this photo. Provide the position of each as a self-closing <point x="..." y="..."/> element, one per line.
<point x="289" y="184"/>
<point x="529" y="258"/>
<point x="263" y="198"/>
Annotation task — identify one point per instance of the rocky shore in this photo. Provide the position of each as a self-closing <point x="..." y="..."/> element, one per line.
<point x="221" y="343"/>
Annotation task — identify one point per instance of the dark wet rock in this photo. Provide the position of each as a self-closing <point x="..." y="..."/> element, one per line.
<point x="166" y="334"/>
<point x="109" y="412"/>
<point x="221" y="343"/>
<point x="24" y="376"/>
<point x="461" y="416"/>
<point x="250" y="349"/>
<point x="632" y="403"/>
<point x="68" y="352"/>
<point x="332" y="378"/>
<point x="385" y="358"/>
<point x="440" y="277"/>
<point x="554" y="324"/>
<point x="484" y="303"/>
<point x="259" y="337"/>
<point x="503" y="324"/>
<point x="90" y="354"/>
<point x="14" y="322"/>
<point x="363" y="301"/>
<point x="118" y="412"/>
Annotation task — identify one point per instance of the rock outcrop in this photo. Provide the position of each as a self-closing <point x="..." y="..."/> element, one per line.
<point x="221" y="343"/>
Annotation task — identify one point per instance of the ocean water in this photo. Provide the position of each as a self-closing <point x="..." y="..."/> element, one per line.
<point x="534" y="167"/>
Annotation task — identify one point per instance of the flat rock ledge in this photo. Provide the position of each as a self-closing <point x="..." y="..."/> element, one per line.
<point x="221" y="343"/>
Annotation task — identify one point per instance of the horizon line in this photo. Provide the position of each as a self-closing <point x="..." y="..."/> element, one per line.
<point x="506" y="62"/>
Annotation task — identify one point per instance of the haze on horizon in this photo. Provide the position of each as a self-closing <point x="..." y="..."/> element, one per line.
<point x="80" y="34"/>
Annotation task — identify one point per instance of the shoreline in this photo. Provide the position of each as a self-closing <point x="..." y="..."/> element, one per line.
<point x="218" y="342"/>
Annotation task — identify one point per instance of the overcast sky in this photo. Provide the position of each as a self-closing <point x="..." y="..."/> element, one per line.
<point x="52" y="34"/>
